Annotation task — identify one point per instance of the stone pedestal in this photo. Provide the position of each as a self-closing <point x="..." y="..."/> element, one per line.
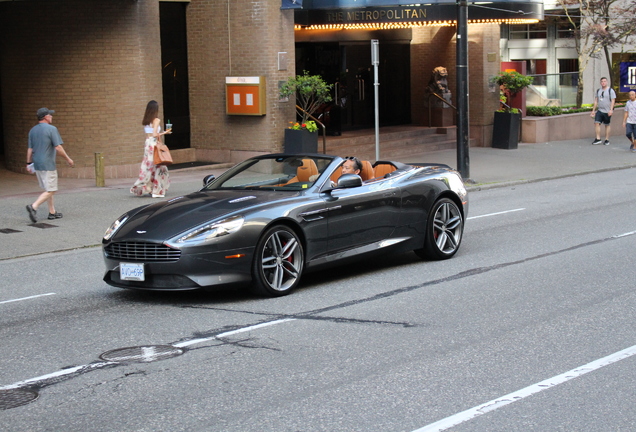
<point x="441" y="117"/>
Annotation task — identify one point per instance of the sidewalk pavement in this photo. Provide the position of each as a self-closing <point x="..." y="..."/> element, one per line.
<point x="88" y="210"/>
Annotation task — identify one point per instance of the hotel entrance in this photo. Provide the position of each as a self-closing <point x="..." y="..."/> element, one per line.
<point x="347" y="65"/>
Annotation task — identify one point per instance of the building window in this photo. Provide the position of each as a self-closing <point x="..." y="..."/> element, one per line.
<point x="529" y="31"/>
<point x="534" y="66"/>
<point x="564" y="28"/>
<point x="568" y="65"/>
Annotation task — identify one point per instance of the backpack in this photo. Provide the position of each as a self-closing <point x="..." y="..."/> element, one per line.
<point x="611" y="90"/>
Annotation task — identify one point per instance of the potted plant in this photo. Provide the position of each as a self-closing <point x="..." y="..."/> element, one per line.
<point x="310" y="91"/>
<point x="507" y="119"/>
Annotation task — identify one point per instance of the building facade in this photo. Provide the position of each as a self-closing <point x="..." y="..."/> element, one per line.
<point x="549" y="50"/>
<point x="98" y="63"/>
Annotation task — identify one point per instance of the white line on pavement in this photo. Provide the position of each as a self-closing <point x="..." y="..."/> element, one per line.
<point x="99" y="365"/>
<point x="26" y="298"/>
<point x="495" y="214"/>
<point x="494" y="404"/>
<point x="230" y="333"/>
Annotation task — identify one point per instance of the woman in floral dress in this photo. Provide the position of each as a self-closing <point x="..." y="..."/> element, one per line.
<point x="153" y="179"/>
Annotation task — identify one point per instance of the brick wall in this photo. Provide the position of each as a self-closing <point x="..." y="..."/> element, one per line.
<point x="243" y="39"/>
<point x="483" y="62"/>
<point x="96" y="63"/>
<point x="430" y="47"/>
<point x="435" y="46"/>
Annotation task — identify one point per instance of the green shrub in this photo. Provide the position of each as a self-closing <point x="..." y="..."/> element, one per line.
<point x="543" y="111"/>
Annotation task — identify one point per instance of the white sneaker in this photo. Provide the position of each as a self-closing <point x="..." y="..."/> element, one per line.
<point x="158" y="196"/>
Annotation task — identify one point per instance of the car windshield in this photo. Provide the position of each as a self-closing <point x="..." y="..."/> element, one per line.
<point x="290" y="173"/>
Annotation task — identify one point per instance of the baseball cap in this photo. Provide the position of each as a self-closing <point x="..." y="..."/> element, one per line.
<point x="43" y="112"/>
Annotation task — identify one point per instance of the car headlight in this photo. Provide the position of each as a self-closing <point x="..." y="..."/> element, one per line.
<point x="115" y="226"/>
<point x="209" y="231"/>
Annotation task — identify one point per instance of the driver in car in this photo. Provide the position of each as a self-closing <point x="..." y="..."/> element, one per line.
<point x="351" y="165"/>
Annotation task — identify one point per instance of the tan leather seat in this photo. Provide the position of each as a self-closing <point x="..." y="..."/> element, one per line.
<point x="367" y="172"/>
<point x="336" y="175"/>
<point x="306" y="170"/>
<point x="383" y="169"/>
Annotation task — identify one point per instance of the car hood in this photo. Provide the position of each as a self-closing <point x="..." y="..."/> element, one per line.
<point x="166" y="219"/>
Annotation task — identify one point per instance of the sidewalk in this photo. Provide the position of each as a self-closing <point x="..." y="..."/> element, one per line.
<point x="88" y="210"/>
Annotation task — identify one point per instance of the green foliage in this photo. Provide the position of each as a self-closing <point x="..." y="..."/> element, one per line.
<point x="509" y="110"/>
<point x="311" y="91"/>
<point x="510" y="83"/>
<point x="513" y="82"/>
<point x="543" y="111"/>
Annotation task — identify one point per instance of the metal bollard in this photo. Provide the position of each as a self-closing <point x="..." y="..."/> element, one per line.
<point x="99" y="170"/>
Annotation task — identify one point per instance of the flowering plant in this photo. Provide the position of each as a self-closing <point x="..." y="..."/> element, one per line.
<point x="309" y="126"/>
<point x="510" y="83"/>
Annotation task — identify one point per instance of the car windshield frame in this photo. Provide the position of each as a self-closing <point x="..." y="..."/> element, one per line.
<point x="279" y="172"/>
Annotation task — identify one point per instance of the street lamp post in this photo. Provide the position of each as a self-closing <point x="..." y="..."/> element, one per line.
<point x="463" y="160"/>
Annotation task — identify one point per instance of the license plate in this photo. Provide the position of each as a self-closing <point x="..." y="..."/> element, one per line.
<point x="131" y="271"/>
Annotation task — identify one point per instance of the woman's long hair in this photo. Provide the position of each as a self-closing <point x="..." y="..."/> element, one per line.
<point x="152" y="112"/>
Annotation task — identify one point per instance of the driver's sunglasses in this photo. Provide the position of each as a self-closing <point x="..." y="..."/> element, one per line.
<point x="355" y="160"/>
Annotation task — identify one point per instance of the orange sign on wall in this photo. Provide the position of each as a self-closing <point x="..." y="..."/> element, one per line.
<point x="245" y="96"/>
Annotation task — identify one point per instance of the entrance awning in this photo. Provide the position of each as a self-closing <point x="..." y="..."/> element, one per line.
<point x="382" y="13"/>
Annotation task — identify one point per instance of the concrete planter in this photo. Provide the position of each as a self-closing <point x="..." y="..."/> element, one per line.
<point x="300" y="141"/>
<point x="505" y="134"/>
<point x="567" y="127"/>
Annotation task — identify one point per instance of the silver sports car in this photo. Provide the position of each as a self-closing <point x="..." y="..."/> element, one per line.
<point x="267" y="220"/>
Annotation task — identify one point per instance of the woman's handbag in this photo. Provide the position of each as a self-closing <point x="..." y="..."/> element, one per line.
<point x="162" y="154"/>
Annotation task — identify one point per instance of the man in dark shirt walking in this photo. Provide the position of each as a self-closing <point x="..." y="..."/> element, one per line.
<point x="45" y="143"/>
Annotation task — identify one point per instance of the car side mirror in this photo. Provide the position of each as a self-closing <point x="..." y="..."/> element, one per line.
<point x="349" y="181"/>
<point x="207" y="179"/>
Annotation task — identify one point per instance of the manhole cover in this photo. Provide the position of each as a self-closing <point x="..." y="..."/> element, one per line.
<point x="16" y="397"/>
<point x="43" y="225"/>
<point x="141" y="354"/>
<point x="8" y="231"/>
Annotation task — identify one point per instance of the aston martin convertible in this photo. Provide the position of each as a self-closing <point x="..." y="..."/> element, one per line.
<point x="269" y="219"/>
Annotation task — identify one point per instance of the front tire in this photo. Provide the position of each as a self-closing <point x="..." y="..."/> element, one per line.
<point x="278" y="262"/>
<point x="444" y="230"/>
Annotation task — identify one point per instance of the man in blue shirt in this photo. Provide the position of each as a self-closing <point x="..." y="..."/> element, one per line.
<point x="45" y="143"/>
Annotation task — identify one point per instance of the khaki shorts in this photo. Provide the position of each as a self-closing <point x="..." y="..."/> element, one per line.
<point x="47" y="180"/>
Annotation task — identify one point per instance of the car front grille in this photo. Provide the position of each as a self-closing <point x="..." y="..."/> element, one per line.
<point x="143" y="252"/>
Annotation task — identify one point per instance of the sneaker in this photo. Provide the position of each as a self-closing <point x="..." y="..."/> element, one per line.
<point x="32" y="213"/>
<point x="596" y="141"/>
<point x="606" y="142"/>
<point x="55" y="216"/>
<point x="633" y="150"/>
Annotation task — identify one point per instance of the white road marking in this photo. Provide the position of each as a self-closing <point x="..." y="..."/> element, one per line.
<point x="57" y="374"/>
<point x="26" y="298"/>
<point x="99" y="365"/>
<point x="495" y="214"/>
<point x="230" y="333"/>
<point x="494" y="404"/>
<point x="624" y="234"/>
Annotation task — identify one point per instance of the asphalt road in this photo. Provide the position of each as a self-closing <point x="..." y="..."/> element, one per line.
<point x="492" y="340"/>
